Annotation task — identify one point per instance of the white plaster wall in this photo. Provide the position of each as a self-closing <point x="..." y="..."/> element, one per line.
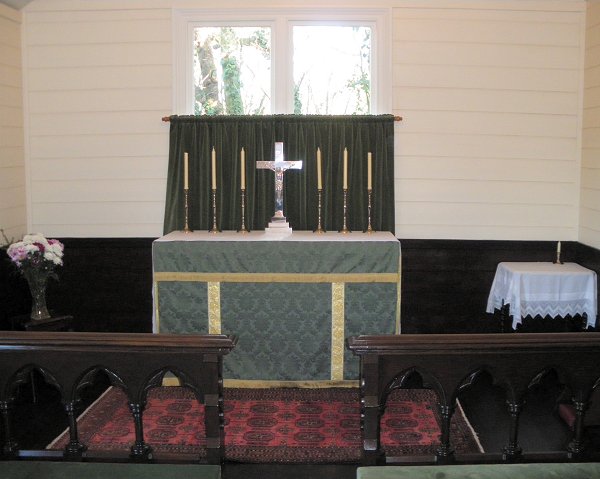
<point x="589" y="232"/>
<point x="12" y="166"/>
<point x="490" y="93"/>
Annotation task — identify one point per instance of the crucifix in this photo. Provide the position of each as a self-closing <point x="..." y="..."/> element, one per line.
<point x="279" y="166"/>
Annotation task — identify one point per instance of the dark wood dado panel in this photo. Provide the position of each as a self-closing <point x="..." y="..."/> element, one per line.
<point x="445" y="283"/>
<point x="106" y="283"/>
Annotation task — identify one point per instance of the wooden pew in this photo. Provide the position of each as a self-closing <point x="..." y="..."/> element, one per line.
<point x="134" y="362"/>
<point x="449" y="364"/>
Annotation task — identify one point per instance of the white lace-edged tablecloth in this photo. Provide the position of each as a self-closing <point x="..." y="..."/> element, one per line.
<point x="544" y="289"/>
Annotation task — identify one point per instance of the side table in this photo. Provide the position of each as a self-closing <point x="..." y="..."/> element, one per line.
<point x="55" y="323"/>
<point x="544" y="289"/>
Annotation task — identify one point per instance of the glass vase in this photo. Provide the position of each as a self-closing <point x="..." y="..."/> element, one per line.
<point x="37" y="287"/>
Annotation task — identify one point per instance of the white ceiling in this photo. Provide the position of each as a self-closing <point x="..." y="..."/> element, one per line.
<point x="18" y="4"/>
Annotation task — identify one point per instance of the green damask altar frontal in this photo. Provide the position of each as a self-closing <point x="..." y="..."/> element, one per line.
<point x="291" y="299"/>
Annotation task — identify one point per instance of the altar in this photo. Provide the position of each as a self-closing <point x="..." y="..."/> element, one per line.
<point x="291" y="299"/>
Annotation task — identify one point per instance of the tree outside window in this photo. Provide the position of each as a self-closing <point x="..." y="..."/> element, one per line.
<point x="331" y="70"/>
<point x="232" y="70"/>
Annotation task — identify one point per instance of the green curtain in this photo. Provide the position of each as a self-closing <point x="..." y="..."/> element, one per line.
<point x="301" y="136"/>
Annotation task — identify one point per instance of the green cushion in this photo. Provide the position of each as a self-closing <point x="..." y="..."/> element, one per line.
<point x="105" y="470"/>
<point x="483" y="471"/>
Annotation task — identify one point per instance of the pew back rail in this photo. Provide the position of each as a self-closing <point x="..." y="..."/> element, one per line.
<point x="449" y="364"/>
<point x="135" y="363"/>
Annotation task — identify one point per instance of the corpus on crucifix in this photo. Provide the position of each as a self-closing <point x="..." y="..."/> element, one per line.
<point x="279" y="166"/>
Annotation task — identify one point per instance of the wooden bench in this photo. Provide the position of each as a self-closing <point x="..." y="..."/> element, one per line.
<point x="449" y="364"/>
<point x="135" y="363"/>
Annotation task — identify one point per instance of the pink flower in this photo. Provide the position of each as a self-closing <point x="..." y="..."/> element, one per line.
<point x="36" y="253"/>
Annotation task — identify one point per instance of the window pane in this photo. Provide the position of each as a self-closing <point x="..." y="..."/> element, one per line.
<point x="232" y="70"/>
<point x="332" y="70"/>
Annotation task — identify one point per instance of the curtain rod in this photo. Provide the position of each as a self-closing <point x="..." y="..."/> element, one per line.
<point x="168" y="118"/>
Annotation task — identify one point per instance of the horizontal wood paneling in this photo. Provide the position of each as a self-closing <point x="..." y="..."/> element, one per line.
<point x="99" y="81"/>
<point x="94" y="190"/>
<point x="93" y="31"/>
<point x="109" y="214"/>
<point x="87" y="230"/>
<point x="96" y="77"/>
<point x="589" y="230"/>
<point x="13" y="219"/>
<point x="492" y="81"/>
<point x="515" y="170"/>
<point x="454" y="75"/>
<point x="101" y="168"/>
<point x="12" y="177"/>
<point x="490" y="55"/>
<point x="94" y="145"/>
<point x="12" y="162"/>
<point x="147" y="100"/>
<point x="520" y="192"/>
<point x="484" y="146"/>
<point x="78" y="55"/>
<point x="500" y="101"/>
<point x="97" y="122"/>
<point x="489" y="142"/>
<point x="507" y="215"/>
<point x="452" y="230"/>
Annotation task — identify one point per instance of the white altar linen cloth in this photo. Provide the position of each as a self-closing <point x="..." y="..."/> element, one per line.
<point x="547" y="289"/>
<point x="275" y="236"/>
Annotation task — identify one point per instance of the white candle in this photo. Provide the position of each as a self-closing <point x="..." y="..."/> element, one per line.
<point x="345" y="186"/>
<point x="213" y="160"/>
<point x="243" y="169"/>
<point x="558" y="248"/>
<point x="319" y="182"/>
<point x="185" y="172"/>
<point x="369" y="177"/>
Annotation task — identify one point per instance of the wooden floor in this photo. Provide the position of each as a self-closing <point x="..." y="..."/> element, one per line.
<point x="540" y="429"/>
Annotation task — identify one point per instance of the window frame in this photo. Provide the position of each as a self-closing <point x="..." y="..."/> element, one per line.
<point x="281" y="22"/>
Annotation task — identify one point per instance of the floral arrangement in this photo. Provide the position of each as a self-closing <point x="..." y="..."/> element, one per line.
<point x="36" y="254"/>
<point x="36" y="258"/>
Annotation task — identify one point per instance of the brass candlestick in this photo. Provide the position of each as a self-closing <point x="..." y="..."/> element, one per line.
<point x="369" y="228"/>
<point x="319" y="230"/>
<point x="344" y="226"/>
<point x="214" y="211"/>
<point x="186" y="207"/>
<point x="243" y="226"/>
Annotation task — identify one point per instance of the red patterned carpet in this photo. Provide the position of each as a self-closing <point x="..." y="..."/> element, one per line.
<point x="272" y="425"/>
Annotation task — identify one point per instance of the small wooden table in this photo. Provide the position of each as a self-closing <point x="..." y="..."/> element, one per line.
<point x="23" y="322"/>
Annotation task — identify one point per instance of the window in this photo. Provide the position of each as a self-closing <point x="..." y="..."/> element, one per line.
<point x="232" y="70"/>
<point x="281" y="62"/>
<point x="332" y="69"/>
